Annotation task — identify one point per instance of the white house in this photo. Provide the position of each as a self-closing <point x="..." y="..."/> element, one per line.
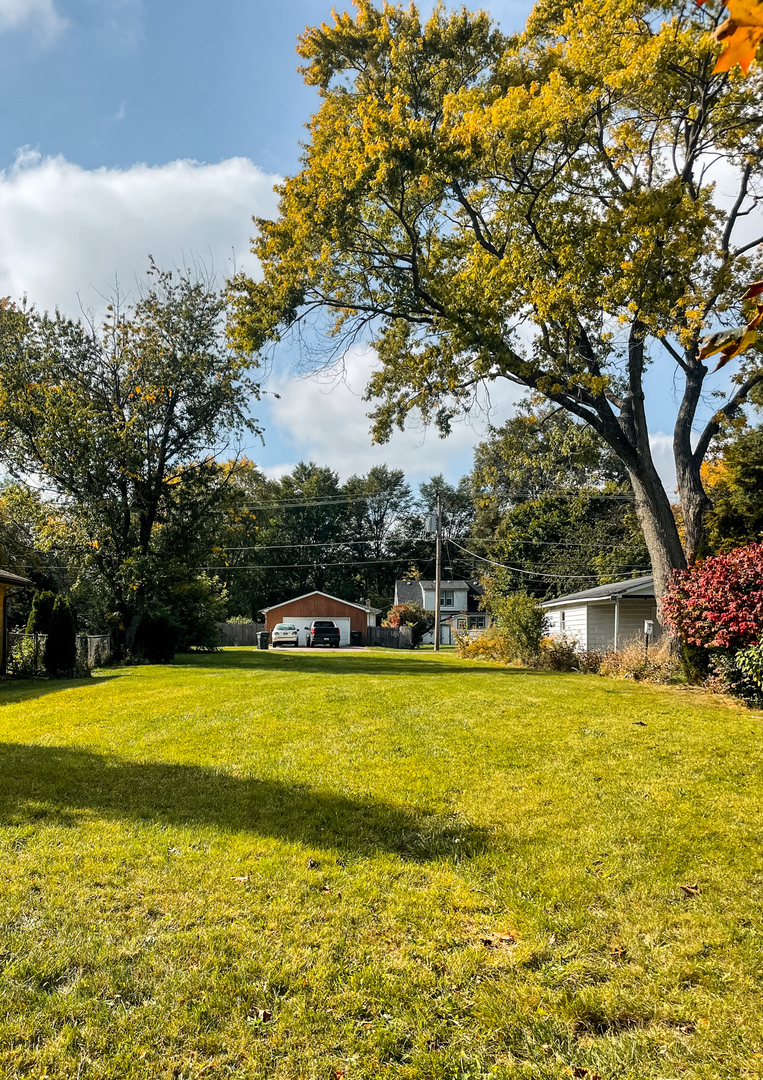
<point x="607" y="616"/>
<point x="459" y="605"/>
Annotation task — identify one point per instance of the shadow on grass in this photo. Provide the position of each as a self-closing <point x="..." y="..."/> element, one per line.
<point x="339" y="663"/>
<point x="55" y="785"/>
<point x="13" y="691"/>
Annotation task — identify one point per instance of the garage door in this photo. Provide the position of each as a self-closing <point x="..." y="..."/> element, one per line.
<point x="343" y="624"/>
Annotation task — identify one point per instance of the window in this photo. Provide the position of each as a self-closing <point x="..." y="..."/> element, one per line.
<point x="477" y="622"/>
<point x="563" y="621"/>
<point x="446" y="598"/>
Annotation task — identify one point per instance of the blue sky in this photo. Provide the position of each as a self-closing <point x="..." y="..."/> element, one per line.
<point x="133" y="127"/>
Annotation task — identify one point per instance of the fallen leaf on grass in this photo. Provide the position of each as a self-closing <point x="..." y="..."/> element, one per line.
<point x="692" y="890"/>
<point x="580" y="1071"/>
<point x="325" y="888"/>
<point x="337" y="1074"/>
<point x="619" y="952"/>
<point x="259" y="1016"/>
<point x="312" y="864"/>
<point x="497" y="941"/>
<point x="244" y="878"/>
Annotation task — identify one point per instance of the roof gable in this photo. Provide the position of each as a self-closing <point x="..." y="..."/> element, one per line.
<point x="328" y="596"/>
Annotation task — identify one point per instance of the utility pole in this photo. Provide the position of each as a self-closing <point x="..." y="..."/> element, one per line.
<point x="437" y="573"/>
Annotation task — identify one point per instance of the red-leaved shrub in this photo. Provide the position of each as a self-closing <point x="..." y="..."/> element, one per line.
<point x="718" y="603"/>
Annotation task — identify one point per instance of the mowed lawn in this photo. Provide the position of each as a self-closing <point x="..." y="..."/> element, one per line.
<point x="377" y="865"/>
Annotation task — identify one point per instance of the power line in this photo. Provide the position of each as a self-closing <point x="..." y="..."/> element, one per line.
<point x="309" y="566"/>
<point x="529" y="573"/>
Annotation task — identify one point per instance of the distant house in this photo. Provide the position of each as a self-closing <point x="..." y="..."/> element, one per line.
<point x="302" y="610"/>
<point x="8" y="581"/>
<point x="459" y="605"/>
<point x="607" y="616"/>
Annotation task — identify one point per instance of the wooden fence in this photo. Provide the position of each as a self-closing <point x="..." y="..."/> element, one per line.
<point x="234" y="633"/>
<point x="391" y="637"/>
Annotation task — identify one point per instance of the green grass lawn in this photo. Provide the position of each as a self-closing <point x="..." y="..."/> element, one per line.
<point x="377" y="865"/>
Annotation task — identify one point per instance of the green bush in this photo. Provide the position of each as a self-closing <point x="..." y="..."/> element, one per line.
<point x="523" y="622"/>
<point x="41" y="613"/>
<point x="695" y="660"/>
<point x="197" y="608"/>
<point x="750" y="663"/>
<point x="60" y="656"/>
<point x="157" y="637"/>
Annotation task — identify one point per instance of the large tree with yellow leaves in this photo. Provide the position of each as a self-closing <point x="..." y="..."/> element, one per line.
<point x="540" y="209"/>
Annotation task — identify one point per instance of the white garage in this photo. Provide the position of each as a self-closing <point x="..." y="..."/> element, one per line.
<point x="343" y="624"/>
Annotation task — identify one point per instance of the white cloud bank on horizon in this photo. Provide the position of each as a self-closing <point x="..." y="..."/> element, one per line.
<point x="41" y="16"/>
<point x="70" y="233"/>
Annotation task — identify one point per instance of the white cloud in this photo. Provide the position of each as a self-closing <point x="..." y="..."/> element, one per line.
<point x="70" y="233"/>
<point x="662" y="455"/>
<point x="41" y="16"/>
<point x="323" y="418"/>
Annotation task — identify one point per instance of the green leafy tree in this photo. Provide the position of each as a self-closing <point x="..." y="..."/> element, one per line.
<point x="554" y="505"/>
<point x="455" y="500"/>
<point x="125" y="421"/>
<point x="520" y="619"/>
<point x="383" y="530"/>
<point x="733" y="478"/>
<point x="537" y="208"/>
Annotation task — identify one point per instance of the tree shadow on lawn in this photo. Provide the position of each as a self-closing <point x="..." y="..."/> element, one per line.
<point x="16" y="691"/>
<point x="338" y="663"/>
<point x="55" y="785"/>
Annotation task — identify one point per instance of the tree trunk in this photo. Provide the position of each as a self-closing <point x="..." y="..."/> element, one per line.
<point x="659" y="527"/>
<point x="694" y="501"/>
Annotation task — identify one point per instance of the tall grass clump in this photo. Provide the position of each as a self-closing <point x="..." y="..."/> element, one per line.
<point x="658" y="664"/>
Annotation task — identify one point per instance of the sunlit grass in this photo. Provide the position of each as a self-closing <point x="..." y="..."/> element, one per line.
<point x="289" y="865"/>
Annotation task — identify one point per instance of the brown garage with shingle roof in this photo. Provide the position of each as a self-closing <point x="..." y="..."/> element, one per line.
<point x="301" y="611"/>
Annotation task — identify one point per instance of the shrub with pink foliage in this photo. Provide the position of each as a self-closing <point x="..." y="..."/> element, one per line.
<point x="718" y="603"/>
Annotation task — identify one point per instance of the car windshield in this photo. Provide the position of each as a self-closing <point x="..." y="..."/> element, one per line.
<point x="285" y="626"/>
<point x="324" y="622"/>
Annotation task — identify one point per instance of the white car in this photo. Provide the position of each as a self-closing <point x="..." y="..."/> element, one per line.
<point x="285" y="633"/>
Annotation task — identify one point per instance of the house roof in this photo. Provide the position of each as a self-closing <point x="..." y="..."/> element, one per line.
<point x="460" y="584"/>
<point x="411" y="592"/>
<point x="13" y="580"/>
<point x="328" y="596"/>
<point x="640" y="586"/>
<point x="408" y="592"/>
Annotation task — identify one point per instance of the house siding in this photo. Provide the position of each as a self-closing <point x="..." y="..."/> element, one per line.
<point x="633" y="613"/>
<point x="601" y="625"/>
<point x="460" y="600"/>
